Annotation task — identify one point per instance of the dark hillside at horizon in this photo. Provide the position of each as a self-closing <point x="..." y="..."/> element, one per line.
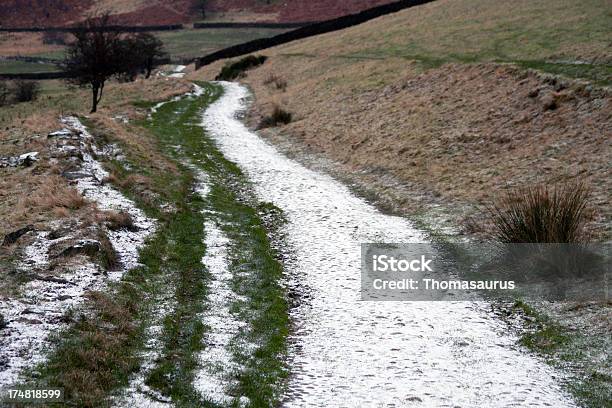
<point x="59" y="13"/>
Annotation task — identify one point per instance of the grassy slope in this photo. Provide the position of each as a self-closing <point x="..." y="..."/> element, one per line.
<point x="483" y="111"/>
<point x="479" y="30"/>
<point x="468" y="31"/>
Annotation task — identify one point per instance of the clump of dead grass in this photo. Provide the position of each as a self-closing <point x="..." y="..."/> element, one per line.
<point x="276" y="81"/>
<point x="119" y="220"/>
<point x="278" y="116"/>
<point x="542" y="214"/>
<point x="53" y="195"/>
<point x="108" y="257"/>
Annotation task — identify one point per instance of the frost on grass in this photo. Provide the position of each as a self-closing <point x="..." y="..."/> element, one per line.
<point x="353" y="353"/>
<point x="43" y="303"/>
<point x="213" y="378"/>
<point x="138" y="394"/>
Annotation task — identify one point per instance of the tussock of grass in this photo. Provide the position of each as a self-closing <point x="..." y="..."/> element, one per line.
<point x="278" y="116"/>
<point x="276" y="81"/>
<point x="542" y="215"/>
<point x="119" y="220"/>
<point x="52" y="195"/>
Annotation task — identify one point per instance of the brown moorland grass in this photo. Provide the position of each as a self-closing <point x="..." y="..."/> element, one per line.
<point x="395" y="103"/>
<point x="25" y="44"/>
<point x="38" y="194"/>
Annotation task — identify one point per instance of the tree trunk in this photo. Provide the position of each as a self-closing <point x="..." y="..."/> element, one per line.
<point x="149" y="68"/>
<point x="94" y="88"/>
<point x="101" y="91"/>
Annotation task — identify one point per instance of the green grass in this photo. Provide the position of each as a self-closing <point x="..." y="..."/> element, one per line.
<point x="539" y="34"/>
<point x="17" y="67"/>
<point x="569" y="351"/>
<point x="95" y="357"/>
<point x="196" y="43"/>
<point x="238" y="214"/>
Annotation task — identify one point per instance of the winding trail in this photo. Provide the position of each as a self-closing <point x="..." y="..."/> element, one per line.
<point x="346" y="352"/>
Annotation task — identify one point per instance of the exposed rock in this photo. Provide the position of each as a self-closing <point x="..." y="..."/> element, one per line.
<point x="61" y="232"/>
<point x="27" y="159"/>
<point x="64" y="297"/>
<point x="77" y="175"/>
<point x="8" y="162"/>
<point x="29" y="321"/>
<point x="88" y="247"/>
<point x="60" y="133"/>
<point x="12" y="237"/>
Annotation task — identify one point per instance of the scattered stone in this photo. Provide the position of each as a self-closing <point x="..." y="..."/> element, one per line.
<point x="27" y="159"/>
<point x="88" y="247"/>
<point x="12" y="237"/>
<point x="414" y="399"/>
<point x="8" y="162"/>
<point x="3" y="322"/>
<point x="76" y="175"/>
<point x="53" y="279"/>
<point x="29" y="321"/>
<point x="64" y="297"/>
<point x="60" y="133"/>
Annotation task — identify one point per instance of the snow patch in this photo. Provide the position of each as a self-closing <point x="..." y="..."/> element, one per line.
<point x="213" y="379"/>
<point x="177" y="72"/>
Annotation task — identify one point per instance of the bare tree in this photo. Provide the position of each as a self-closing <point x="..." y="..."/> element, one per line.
<point x="201" y="6"/>
<point x="147" y="51"/>
<point x="95" y="56"/>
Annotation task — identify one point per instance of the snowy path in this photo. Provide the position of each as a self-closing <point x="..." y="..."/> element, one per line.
<point x="345" y="352"/>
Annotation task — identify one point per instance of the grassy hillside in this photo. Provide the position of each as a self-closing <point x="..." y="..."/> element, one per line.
<point x="195" y="43"/>
<point x="438" y="97"/>
<point x="530" y="32"/>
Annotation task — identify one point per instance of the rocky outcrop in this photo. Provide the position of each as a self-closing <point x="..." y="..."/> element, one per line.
<point x="12" y="237"/>
<point x="25" y="160"/>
